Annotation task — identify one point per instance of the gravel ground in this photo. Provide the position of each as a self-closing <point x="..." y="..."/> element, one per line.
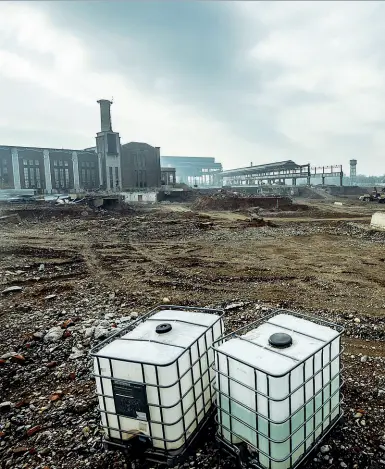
<point x="77" y="280"/>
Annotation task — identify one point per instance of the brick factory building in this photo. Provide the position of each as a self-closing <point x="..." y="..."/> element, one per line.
<point x="109" y="165"/>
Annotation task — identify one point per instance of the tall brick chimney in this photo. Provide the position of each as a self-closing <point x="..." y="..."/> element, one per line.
<point x="105" y="115"/>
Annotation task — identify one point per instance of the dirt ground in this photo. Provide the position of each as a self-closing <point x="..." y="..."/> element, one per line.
<point x="102" y="267"/>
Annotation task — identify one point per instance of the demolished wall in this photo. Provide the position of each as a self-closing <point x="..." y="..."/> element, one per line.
<point x="232" y="201"/>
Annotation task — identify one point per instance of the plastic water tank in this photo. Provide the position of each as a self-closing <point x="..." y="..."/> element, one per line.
<point x="278" y="387"/>
<point x="156" y="380"/>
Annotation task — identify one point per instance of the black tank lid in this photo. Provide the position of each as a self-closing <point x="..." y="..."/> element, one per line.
<point x="163" y="328"/>
<point x="280" y="340"/>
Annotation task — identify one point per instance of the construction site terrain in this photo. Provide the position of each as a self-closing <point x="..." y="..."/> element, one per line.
<point x="84" y="273"/>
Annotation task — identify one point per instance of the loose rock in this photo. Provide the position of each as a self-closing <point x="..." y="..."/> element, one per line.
<point x="5" y="406"/>
<point x="54" y="335"/>
<point x="13" y="289"/>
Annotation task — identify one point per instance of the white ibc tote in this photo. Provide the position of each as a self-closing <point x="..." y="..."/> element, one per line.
<point x="155" y="379"/>
<point x="278" y="387"/>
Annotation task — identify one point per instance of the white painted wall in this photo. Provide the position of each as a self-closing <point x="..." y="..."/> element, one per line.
<point x="47" y="172"/>
<point x="16" y="169"/>
<point x="147" y="197"/>
<point x="75" y="169"/>
<point x="378" y="220"/>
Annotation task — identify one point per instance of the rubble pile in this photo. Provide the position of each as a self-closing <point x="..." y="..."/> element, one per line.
<point x="48" y="409"/>
<point x="234" y="201"/>
<point x="50" y="211"/>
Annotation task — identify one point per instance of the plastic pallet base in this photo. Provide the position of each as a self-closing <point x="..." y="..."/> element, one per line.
<point x="138" y="450"/>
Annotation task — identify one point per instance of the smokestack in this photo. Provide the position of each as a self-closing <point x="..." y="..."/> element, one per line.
<point x="105" y="115"/>
<point x="353" y="171"/>
<point x="353" y="168"/>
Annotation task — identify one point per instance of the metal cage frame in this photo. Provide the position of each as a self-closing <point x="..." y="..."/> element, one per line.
<point x="238" y="449"/>
<point x="143" y="441"/>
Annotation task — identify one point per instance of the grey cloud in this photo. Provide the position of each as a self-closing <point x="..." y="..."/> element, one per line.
<point x="195" y="46"/>
<point x="197" y="54"/>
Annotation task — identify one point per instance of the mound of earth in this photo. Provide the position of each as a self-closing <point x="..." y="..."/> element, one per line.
<point x="233" y="201"/>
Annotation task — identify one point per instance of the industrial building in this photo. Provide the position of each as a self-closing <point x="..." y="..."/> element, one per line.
<point x="193" y="170"/>
<point x="140" y="165"/>
<point x="108" y="166"/>
<point x="48" y="170"/>
<point x="168" y="176"/>
<point x="279" y="173"/>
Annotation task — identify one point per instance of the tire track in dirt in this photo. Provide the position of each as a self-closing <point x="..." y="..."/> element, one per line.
<point x="373" y="348"/>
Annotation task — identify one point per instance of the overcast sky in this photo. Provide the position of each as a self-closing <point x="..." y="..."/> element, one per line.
<point x="239" y="81"/>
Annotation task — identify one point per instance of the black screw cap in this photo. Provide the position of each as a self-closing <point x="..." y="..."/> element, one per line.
<point x="163" y="328"/>
<point x="280" y="340"/>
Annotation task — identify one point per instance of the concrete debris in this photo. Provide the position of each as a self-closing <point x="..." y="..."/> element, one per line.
<point x="232" y="306"/>
<point x="207" y="225"/>
<point x="38" y="335"/>
<point x="8" y="355"/>
<point x="5" y="406"/>
<point x="14" y="289"/>
<point x="125" y="319"/>
<point x="76" y="353"/>
<point x="89" y="332"/>
<point x="50" y="297"/>
<point x="101" y="332"/>
<point x="55" y="334"/>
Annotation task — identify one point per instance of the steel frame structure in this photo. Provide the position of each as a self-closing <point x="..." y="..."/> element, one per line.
<point x="281" y="171"/>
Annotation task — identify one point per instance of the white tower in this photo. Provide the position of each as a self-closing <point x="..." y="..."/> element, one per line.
<point x="353" y="172"/>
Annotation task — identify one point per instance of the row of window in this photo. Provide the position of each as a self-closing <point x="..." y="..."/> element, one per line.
<point x="61" y="174"/>
<point x="60" y="163"/>
<point x="87" y="164"/>
<point x="30" y="162"/>
<point x="88" y="178"/>
<point x="113" y="174"/>
<point x="4" y="175"/>
<point x="141" y="178"/>
<point x="32" y="179"/>
<point x="33" y="174"/>
<point x="61" y="178"/>
<point x="209" y="170"/>
<point x="65" y="163"/>
<point x="139" y="158"/>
